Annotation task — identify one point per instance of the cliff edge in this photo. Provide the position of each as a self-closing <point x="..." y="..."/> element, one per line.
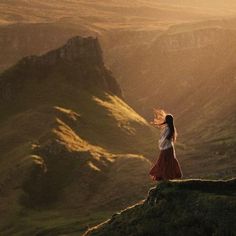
<point x="188" y="207"/>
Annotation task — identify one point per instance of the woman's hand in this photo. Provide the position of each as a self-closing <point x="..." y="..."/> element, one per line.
<point x="153" y="123"/>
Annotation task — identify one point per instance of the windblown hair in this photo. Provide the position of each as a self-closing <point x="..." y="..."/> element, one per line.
<point x="162" y="118"/>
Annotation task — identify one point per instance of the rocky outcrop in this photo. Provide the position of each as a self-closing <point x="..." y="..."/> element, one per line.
<point x="79" y="62"/>
<point x="194" y="39"/>
<point x="20" y="40"/>
<point x="189" y="207"/>
<point x="77" y="49"/>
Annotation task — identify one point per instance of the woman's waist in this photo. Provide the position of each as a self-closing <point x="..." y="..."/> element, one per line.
<point x="165" y="141"/>
<point x="166" y="144"/>
<point x="167" y="148"/>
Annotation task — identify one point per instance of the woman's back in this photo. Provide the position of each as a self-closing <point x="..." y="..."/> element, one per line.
<point x="164" y="142"/>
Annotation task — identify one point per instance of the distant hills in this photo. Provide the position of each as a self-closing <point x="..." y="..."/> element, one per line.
<point x="189" y="71"/>
<point x="67" y="126"/>
<point x="33" y="27"/>
<point x="103" y="14"/>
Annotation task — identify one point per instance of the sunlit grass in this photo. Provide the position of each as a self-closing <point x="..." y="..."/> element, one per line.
<point x="120" y="110"/>
<point x="68" y="112"/>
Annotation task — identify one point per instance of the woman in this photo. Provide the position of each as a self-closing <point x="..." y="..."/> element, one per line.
<point x="167" y="166"/>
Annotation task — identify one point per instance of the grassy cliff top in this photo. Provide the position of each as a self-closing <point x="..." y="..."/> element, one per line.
<point x="188" y="207"/>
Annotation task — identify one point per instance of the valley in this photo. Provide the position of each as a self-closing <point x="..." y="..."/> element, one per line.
<point x="78" y="83"/>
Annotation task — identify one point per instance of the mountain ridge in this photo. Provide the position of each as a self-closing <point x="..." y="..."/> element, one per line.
<point x="77" y="54"/>
<point x="64" y="125"/>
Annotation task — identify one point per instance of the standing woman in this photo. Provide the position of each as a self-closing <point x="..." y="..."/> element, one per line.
<point x="167" y="166"/>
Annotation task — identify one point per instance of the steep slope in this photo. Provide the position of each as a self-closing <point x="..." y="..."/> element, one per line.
<point x="190" y="207"/>
<point x="66" y="138"/>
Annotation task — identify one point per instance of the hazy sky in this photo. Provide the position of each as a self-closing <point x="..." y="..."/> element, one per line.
<point x="202" y="3"/>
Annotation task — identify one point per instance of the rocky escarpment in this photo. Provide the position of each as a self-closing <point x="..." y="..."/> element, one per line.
<point x="185" y="60"/>
<point x="79" y="61"/>
<point x="76" y="50"/>
<point x="194" y="39"/>
<point x="189" y="70"/>
<point x="189" y="207"/>
<point x="20" y="40"/>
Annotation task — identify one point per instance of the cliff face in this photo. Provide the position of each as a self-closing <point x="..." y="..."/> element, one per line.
<point x="195" y="39"/>
<point x="76" y="50"/>
<point x="20" y="40"/>
<point x="189" y="207"/>
<point x="181" y="60"/>
<point x="189" y="70"/>
<point x="80" y="61"/>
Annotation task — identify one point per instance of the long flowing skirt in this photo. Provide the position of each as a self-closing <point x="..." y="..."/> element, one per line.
<point x="167" y="166"/>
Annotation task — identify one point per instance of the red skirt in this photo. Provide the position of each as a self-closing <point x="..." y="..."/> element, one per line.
<point x="167" y="166"/>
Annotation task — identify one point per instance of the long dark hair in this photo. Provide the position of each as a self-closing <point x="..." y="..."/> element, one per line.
<point x="169" y="120"/>
<point x="162" y="118"/>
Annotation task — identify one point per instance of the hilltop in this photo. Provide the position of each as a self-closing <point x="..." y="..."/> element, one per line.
<point x="188" y="207"/>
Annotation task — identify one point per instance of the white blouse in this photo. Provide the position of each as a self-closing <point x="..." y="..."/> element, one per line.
<point x="165" y="143"/>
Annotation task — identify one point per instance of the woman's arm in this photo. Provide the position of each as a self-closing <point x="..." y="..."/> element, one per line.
<point x="154" y="124"/>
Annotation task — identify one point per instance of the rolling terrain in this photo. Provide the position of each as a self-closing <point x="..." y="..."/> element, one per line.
<point x="74" y="148"/>
<point x="65" y="130"/>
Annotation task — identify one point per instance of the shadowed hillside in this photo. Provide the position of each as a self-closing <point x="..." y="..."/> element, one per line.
<point x="65" y="131"/>
<point x="189" y="207"/>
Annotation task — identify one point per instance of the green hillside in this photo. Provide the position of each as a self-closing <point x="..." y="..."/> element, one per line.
<point x="67" y="137"/>
<point x="73" y="151"/>
<point x="189" y="207"/>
